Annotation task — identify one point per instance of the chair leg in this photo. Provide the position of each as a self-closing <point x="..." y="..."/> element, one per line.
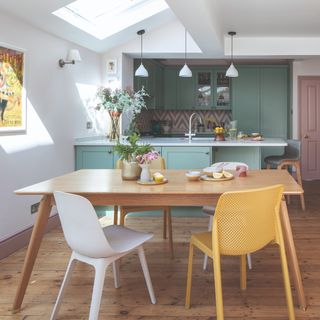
<point x="123" y="214"/>
<point x="205" y="259"/>
<point x="249" y="261"/>
<point x="165" y="218"/>
<point x="62" y="288"/>
<point x="243" y="272"/>
<point x="115" y="267"/>
<point x="115" y="215"/>
<point x="286" y="279"/>
<point x="298" y="170"/>
<point x="218" y="286"/>
<point x="189" y="277"/>
<point x="100" y="271"/>
<point x="268" y="166"/>
<point x="146" y="274"/>
<point x="170" y="232"/>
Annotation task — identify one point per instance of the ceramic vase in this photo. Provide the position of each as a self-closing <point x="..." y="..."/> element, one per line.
<point x="145" y="175"/>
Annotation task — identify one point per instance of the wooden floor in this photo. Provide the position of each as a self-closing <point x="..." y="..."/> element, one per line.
<point x="264" y="298"/>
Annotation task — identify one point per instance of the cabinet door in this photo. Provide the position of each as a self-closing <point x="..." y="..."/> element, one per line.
<point x="88" y="157"/>
<point x="185" y="93"/>
<point x="187" y="157"/>
<point x="170" y="89"/>
<point x="248" y="155"/>
<point x="245" y="99"/>
<point x="203" y="89"/>
<point x="222" y="93"/>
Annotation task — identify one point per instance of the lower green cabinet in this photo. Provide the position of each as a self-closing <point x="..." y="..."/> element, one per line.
<point x="249" y="155"/>
<point x="91" y="157"/>
<point x="187" y="157"/>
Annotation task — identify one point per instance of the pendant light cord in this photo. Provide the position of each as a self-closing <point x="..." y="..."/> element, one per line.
<point x="185" y="46"/>
<point x="141" y="49"/>
<point x="232" y="48"/>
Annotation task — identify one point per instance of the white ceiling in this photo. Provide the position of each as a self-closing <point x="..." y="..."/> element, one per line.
<point x="265" y="28"/>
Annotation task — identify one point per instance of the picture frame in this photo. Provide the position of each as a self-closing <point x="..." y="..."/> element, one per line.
<point x="112" y="66"/>
<point x="13" y="100"/>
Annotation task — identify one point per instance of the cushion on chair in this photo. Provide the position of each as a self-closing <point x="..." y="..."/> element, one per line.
<point x="209" y="210"/>
<point x="123" y="239"/>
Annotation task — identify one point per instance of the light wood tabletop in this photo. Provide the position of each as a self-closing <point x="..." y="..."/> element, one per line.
<point x="105" y="187"/>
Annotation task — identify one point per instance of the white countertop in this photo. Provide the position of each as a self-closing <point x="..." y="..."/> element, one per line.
<point x="183" y="142"/>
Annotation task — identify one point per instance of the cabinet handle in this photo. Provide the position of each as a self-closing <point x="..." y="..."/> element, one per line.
<point x="109" y="151"/>
<point x="306" y="136"/>
<point x="207" y="153"/>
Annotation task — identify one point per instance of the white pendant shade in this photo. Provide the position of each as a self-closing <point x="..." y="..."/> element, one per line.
<point x="232" y="72"/>
<point x="185" y="72"/>
<point x="141" y="71"/>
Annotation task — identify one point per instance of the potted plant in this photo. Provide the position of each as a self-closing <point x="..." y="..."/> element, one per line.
<point x="129" y="152"/>
<point x="117" y="102"/>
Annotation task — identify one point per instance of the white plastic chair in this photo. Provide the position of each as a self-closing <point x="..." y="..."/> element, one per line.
<point x="209" y="210"/>
<point x="96" y="246"/>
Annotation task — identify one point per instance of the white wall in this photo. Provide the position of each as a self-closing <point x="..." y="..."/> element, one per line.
<point x="310" y="67"/>
<point x="56" y="115"/>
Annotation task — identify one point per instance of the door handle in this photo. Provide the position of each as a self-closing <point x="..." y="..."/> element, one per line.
<point x="306" y="136"/>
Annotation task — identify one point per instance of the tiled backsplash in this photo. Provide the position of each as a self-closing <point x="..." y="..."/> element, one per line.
<point x="177" y="121"/>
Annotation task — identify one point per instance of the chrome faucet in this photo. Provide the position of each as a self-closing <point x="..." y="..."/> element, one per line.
<point x="190" y="134"/>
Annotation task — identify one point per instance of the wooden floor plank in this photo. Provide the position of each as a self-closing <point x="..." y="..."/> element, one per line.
<point x="264" y="298"/>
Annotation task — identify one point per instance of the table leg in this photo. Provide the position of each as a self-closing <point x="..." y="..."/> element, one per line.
<point x="292" y="255"/>
<point x="32" y="251"/>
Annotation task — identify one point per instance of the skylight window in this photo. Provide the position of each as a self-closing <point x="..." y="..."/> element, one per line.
<point x="102" y="18"/>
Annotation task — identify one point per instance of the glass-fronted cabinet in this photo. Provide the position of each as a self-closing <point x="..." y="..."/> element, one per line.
<point x="222" y="90"/>
<point x="204" y="98"/>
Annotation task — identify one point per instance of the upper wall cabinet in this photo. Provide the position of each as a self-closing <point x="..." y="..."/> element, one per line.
<point x="153" y="84"/>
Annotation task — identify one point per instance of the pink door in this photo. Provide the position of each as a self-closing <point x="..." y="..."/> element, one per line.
<point x="309" y="106"/>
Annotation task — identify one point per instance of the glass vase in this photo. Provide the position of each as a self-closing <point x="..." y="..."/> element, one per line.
<point x="114" y="133"/>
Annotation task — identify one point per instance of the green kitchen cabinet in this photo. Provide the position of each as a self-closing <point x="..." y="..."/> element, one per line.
<point x="92" y="157"/>
<point x="187" y="157"/>
<point x="203" y="88"/>
<point x="185" y="93"/>
<point x="249" y="155"/>
<point x="246" y="99"/>
<point x="221" y="90"/>
<point x="170" y="88"/>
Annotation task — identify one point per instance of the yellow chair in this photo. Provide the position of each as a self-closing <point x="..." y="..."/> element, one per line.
<point x="244" y="222"/>
<point x="158" y="164"/>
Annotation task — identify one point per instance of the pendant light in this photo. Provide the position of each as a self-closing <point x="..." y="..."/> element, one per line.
<point x="232" y="72"/>
<point x="185" y="71"/>
<point x="141" y="71"/>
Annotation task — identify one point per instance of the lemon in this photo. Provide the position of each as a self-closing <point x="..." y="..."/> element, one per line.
<point x="217" y="175"/>
<point x="158" y="177"/>
<point x="227" y="174"/>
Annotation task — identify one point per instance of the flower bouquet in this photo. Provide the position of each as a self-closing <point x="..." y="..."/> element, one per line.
<point x="144" y="161"/>
<point x="219" y="134"/>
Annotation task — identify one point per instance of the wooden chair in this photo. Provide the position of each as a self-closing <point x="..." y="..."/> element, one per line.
<point x="290" y="158"/>
<point x="244" y="222"/>
<point x="158" y="164"/>
<point x="96" y="246"/>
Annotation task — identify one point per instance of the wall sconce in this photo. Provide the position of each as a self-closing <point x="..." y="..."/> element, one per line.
<point x="73" y="56"/>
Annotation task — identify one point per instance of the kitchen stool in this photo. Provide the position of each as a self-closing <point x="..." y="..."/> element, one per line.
<point x="291" y="157"/>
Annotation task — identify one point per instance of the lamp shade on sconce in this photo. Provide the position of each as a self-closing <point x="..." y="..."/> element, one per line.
<point x="74" y="55"/>
<point x="185" y="72"/>
<point x="141" y="71"/>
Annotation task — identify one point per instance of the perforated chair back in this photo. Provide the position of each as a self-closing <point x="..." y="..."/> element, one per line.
<point x="158" y="164"/>
<point x="246" y="221"/>
<point x="293" y="150"/>
<point x="81" y="226"/>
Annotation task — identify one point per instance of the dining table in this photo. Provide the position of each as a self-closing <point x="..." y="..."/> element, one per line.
<point x="106" y="187"/>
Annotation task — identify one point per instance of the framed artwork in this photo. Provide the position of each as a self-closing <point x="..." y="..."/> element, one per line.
<point x="112" y="66"/>
<point x="12" y="91"/>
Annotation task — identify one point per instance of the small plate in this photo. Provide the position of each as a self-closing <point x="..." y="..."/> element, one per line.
<point x="152" y="182"/>
<point x="207" y="178"/>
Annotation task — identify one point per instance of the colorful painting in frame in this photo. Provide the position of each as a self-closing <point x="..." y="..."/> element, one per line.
<point x="12" y="92"/>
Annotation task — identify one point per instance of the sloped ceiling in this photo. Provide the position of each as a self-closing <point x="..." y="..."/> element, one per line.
<point x="265" y="28"/>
